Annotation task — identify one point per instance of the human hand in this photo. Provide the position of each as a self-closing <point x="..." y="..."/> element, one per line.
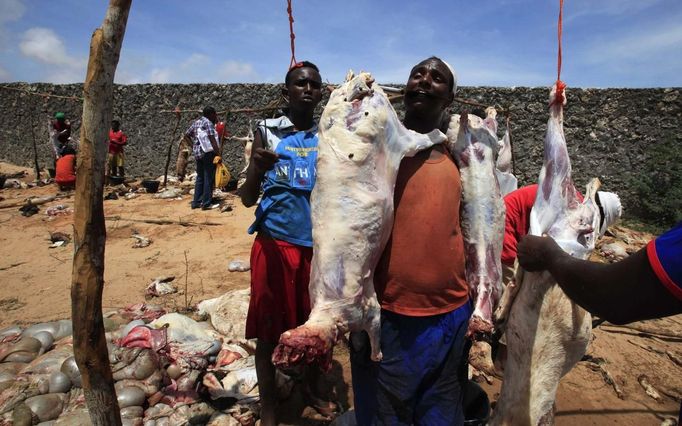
<point x="263" y="160"/>
<point x="217" y="159"/>
<point x="537" y="253"/>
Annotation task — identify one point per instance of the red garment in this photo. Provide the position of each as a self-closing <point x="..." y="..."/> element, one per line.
<point x="65" y="173"/>
<point x="220" y="129"/>
<point x="117" y="141"/>
<point x="421" y="271"/>
<point x="58" y="127"/>
<point x="519" y="203"/>
<point x="280" y="272"/>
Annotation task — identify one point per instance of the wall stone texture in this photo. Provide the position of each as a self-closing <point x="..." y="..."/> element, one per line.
<point x="609" y="131"/>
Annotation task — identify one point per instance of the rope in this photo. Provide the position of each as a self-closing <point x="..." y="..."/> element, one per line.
<point x="44" y="95"/>
<point x="560" y="25"/>
<point x="560" y="85"/>
<point x="291" y="34"/>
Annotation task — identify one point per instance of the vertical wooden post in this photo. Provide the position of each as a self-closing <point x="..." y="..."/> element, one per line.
<point x="89" y="344"/>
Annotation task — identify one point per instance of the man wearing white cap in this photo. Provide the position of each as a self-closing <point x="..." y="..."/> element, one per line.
<point x="419" y="279"/>
<point x="518" y="205"/>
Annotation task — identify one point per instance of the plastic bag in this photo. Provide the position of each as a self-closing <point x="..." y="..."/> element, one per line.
<point x="222" y="176"/>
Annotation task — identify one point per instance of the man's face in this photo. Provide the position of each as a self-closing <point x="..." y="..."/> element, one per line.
<point x="213" y="117"/>
<point x="304" y="89"/>
<point x="428" y="88"/>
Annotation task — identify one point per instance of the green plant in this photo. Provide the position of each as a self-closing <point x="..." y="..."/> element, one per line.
<point x="659" y="187"/>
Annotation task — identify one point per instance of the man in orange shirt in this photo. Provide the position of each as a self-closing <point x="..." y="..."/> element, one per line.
<point x="420" y="280"/>
<point x="65" y="173"/>
<point x="117" y="140"/>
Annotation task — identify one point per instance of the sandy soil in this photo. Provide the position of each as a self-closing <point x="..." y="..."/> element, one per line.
<point x="35" y="282"/>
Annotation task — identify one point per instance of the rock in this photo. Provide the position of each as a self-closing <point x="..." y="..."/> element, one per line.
<point x="238" y="265"/>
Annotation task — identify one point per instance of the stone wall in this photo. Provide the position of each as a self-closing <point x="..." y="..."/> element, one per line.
<point x="609" y="131"/>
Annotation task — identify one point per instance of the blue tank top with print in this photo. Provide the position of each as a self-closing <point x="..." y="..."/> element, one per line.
<point x="284" y="209"/>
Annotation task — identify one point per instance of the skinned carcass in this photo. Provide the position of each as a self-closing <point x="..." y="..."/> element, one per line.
<point x="362" y="142"/>
<point x="504" y="172"/>
<point x="473" y="144"/>
<point x="546" y="333"/>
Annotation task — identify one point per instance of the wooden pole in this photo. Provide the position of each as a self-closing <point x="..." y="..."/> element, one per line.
<point x="170" y="150"/>
<point x="35" y="149"/>
<point x="89" y="343"/>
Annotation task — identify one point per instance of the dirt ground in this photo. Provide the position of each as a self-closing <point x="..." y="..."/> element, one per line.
<point x="35" y="282"/>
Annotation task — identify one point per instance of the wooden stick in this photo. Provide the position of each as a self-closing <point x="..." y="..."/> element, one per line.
<point x="89" y="237"/>
<point x="36" y="201"/>
<point x="643" y="330"/>
<point x="170" y="149"/>
<point x="596" y="365"/>
<point x="164" y="221"/>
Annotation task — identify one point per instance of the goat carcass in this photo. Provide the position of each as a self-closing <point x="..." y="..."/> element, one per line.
<point x="474" y="145"/>
<point x="546" y="333"/>
<point x="362" y="142"/>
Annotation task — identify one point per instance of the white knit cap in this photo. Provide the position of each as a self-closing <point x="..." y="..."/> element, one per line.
<point x="610" y="204"/>
<point x="454" y="77"/>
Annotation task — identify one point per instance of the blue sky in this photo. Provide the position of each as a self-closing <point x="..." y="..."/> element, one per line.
<point x="607" y="43"/>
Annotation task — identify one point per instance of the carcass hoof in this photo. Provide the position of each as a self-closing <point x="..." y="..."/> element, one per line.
<point x="304" y="345"/>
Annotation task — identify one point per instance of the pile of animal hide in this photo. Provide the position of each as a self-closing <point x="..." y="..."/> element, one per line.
<point x="168" y="369"/>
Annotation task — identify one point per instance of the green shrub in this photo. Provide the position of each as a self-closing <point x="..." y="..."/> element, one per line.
<point x="659" y="186"/>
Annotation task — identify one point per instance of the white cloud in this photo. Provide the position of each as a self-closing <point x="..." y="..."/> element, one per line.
<point x="5" y="76"/>
<point x="579" y="8"/>
<point x="12" y="10"/>
<point x="637" y="45"/>
<point x="234" y="71"/>
<point x="44" y="45"/>
<point x="195" y="60"/>
<point x="160" y="75"/>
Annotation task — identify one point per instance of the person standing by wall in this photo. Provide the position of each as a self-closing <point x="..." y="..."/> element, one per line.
<point x="206" y="150"/>
<point x="117" y="140"/>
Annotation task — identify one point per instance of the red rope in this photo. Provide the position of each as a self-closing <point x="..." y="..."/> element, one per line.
<point x="561" y="10"/>
<point x="560" y="85"/>
<point x="291" y="34"/>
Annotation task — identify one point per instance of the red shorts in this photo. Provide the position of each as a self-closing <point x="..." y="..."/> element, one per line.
<point x="280" y="272"/>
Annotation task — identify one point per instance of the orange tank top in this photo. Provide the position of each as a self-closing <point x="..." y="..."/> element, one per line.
<point x="421" y="271"/>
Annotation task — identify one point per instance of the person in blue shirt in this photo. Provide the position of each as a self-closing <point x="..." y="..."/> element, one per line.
<point x="282" y="164"/>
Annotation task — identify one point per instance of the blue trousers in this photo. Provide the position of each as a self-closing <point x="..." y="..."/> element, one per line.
<point x="203" y="185"/>
<point x="421" y="377"/>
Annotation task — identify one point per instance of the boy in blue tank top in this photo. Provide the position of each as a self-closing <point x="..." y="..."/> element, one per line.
<point x="282" y="164"/>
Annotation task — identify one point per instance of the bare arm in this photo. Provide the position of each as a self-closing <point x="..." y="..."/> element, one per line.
<point x="261" y="161"/>
<point x="620" y="292"/>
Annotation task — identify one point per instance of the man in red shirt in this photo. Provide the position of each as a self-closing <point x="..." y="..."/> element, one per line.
<point x="65" y="173"/>
<point x="519" y="203"/>
<point x="117" y="140"/>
